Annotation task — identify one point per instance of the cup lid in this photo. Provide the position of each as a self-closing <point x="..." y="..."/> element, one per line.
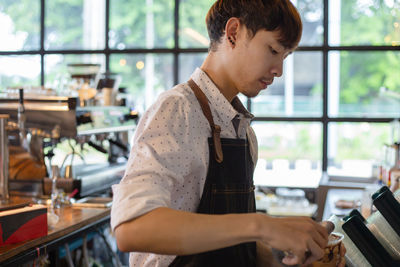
<point x="335" y="238"/>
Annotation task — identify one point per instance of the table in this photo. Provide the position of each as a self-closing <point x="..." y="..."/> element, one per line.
<point x="336" y="194"/>
<point x="73" y="223"/>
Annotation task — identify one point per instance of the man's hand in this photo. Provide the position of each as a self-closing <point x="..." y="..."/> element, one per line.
<point x="265" y="256"/>
<point x="302" y="239"/>
<point x="340" y="260"/>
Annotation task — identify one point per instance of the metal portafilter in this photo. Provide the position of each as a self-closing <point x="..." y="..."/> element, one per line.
<point x="118" y="144"/>
<point x="87" y="139"/>
<point x="97" y="147"/>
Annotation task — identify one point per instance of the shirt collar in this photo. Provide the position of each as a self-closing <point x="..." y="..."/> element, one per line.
<point x="224" y="110"/>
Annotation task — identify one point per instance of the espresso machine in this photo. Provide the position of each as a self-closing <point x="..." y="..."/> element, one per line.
<point x="373" y="241"/>
<point x="87" y="145"/>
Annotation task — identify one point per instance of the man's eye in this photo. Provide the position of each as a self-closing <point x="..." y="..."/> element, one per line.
<point x="273" y="51"/>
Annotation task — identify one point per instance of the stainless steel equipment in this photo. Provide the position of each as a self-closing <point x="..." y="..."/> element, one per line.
<point x="45" y="114"/>
<point x="51" y="120"/>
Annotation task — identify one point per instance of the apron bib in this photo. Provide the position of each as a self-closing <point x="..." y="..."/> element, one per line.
<point x="228" y="188"/>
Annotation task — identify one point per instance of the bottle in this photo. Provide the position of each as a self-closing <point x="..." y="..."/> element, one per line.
<point x="395" y="183"/>
<point x="55" y="173"/>
<point x="380" y="177"/>
<point x="395" y="133"/>
<point x="22" y="120"/>
<point x="4" y="159"/>
<point x="394" y="172"/>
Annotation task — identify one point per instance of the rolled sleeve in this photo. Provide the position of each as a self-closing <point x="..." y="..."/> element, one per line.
<point x="135" y="199"/>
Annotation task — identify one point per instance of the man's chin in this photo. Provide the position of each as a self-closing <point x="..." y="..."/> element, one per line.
<point x="252" y="94"/>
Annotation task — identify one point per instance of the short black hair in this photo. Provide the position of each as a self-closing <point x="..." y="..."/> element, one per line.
<point x="271" y="15"/>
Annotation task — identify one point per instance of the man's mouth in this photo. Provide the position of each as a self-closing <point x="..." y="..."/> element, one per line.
<point x="266" y="82"/>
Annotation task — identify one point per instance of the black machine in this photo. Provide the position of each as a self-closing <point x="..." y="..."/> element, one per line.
<point x="374" y="241"/>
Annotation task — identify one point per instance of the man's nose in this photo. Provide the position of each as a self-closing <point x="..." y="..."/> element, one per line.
<point x="277" y="69"/>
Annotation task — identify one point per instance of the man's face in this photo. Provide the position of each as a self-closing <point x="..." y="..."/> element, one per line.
<point x="257" y="61"/>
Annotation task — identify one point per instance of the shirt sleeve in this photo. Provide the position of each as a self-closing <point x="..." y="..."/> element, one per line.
<point x="156" y="163"/>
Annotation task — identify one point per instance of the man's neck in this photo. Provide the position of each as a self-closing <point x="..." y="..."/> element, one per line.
<point x="216" y="71"/>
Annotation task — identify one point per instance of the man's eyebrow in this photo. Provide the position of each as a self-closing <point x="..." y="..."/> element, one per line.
<point x="276" y="46"/>
<point x="278" y="43"/>
<point x="286" y="46"/>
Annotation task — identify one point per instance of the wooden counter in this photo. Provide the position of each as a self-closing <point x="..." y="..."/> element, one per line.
<point x="73" y="223"/>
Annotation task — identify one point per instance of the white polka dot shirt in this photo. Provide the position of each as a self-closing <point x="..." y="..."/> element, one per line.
<point x="169" y="159"/>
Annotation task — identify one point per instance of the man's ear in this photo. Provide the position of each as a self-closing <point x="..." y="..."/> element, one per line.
<point x="231" y="30"/>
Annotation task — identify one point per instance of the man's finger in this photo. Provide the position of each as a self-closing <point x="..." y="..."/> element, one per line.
<point x="322" y="237"/>
<point x="315" y="253"/>
<point x="342" y="250"/>
<point x="342" y="262"/>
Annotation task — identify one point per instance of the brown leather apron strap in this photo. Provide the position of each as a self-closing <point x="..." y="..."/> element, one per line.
<point x="215" y="129"/>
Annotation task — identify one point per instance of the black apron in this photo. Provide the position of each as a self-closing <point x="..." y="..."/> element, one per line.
<point x="228" y="188"/>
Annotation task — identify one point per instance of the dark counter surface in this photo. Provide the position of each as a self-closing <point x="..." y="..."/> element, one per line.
<point x="73" y="221"/>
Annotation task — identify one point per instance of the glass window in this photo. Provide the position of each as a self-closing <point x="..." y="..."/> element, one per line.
<point x="312" y="15"/>
<point x="141" y="24"/>
<point x="57" y="75"/>
<point x="289" y="153"/>
<point x="144" y="75"/>
<point x="75" y="24"/>
<point x="355" y="148"/>
<point x="188" y="62"/>
<point x="192" y="25"/>
<point x="298" y="92"/>
<point x="355" y="22"/>
<point x="20" y="25"/>
<point x="17" y="71"/>
<point x="193" y="30"/>
<point x="360" y="83"/>
<point x="364" y="84"/>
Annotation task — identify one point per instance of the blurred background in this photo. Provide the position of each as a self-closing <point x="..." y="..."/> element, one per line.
<point x="332" y="111"/>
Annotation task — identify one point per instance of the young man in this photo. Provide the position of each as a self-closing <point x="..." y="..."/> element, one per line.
<point x="188" y="187"/>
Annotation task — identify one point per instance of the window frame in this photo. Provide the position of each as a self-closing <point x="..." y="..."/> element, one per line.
<point x="325" y="48"/>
